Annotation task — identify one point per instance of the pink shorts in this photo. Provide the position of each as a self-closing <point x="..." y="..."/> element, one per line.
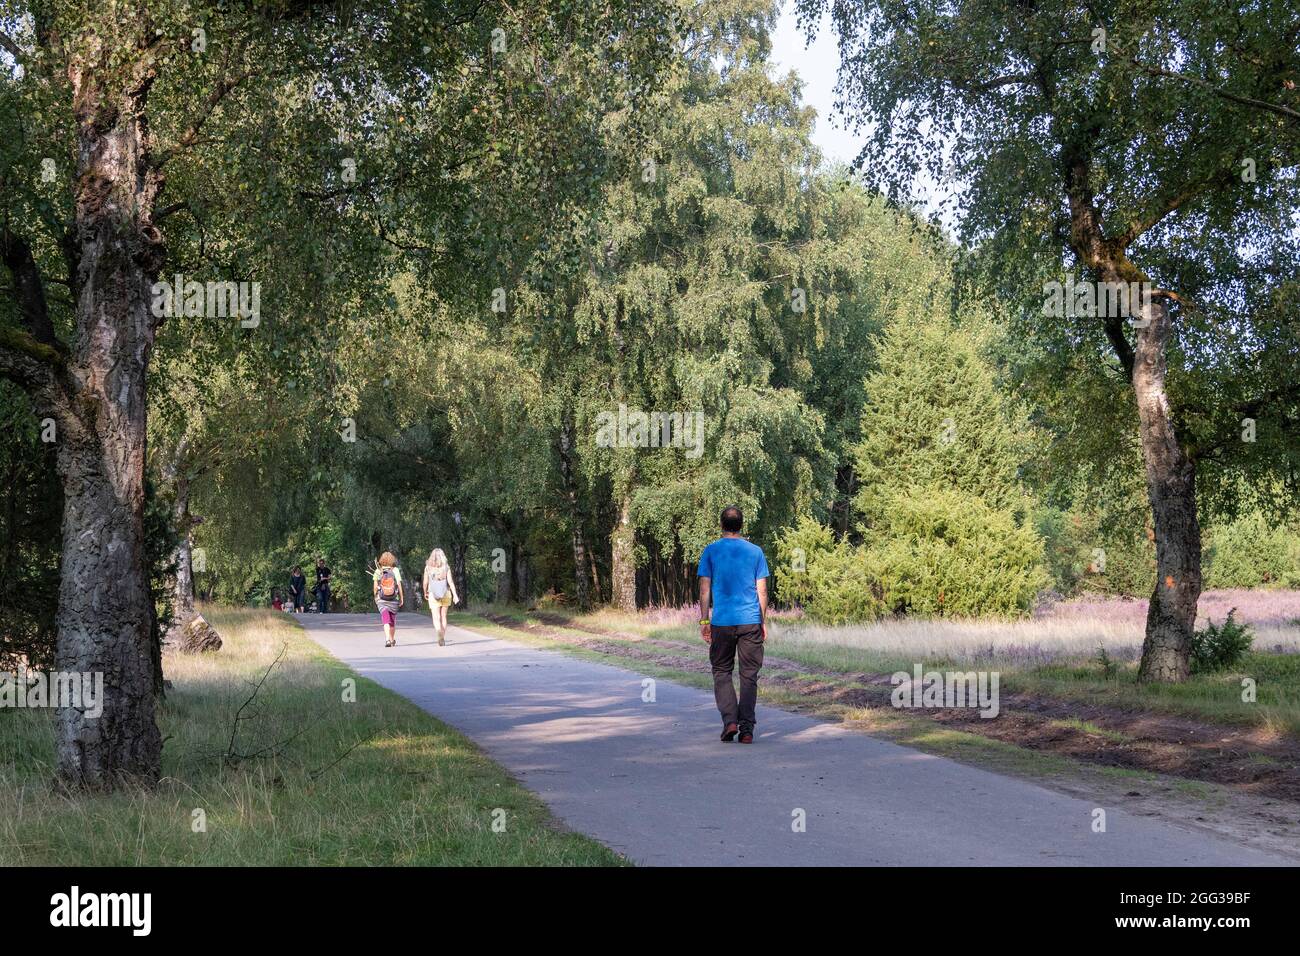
<point x="387" y="616"/>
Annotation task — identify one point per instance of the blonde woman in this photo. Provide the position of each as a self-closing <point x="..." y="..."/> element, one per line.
<point x="440" y="589"/>
<point x="389" y="595"/>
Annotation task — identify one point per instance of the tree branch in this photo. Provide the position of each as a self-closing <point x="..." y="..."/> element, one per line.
<point x="1172" y="202"/>
<point x="1285" y="393"/>
<point x="12" y="48"/>
<point x="1014" y="79"/>
<point x="16" y="254"/>
<point x="25" y="361"/>
<point x="1275" y="108"/>
<point x="190" y="135"/>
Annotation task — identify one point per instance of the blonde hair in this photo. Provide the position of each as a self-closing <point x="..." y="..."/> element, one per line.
<point x="386" y="560"/>
<point x="437" y="559"/>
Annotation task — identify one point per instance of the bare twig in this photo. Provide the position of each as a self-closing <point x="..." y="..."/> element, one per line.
<point x="231" y="756"/>
<point x="315" y="774"/>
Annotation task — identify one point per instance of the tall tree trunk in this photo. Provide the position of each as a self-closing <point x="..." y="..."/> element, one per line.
<point x="623" y="563"/>
<point x="183" y="594"/>
<point x="580" y="596"/>
<point x="506" y="592"/>
<point x="1171" y="486"/>
<point x="595" y="574"/>
<point x="504" y="579"/>
<point x="106" y="613"/>
<point x="520" y="588"/>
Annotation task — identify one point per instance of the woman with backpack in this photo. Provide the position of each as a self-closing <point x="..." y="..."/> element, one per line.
<point x="440" y="590"/>
<point x="389" y="596"/>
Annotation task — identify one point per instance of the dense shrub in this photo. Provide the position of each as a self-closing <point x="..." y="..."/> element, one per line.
<point x="1251" y="552"/>
<point x="939" y="552"/>
<point x="798" y="549"/>
<point x="847" y="586"/>
<point x="1100" y="540"/>
<point x="1219" y="647"/>
<point x="1126" y="568"/>
<point x="834" y="582"/>
<point x="946" y="552"/>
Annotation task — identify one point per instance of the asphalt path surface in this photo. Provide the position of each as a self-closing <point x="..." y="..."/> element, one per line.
<point x="651" y="779"/>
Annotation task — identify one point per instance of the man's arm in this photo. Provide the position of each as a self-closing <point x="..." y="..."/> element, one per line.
<point x="706" y="596"/>
<point x="761" y="586"/>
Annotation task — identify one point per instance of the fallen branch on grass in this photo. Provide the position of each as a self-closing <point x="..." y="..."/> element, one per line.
<point x="232" y="757"/>
<point x="316" y="774"/>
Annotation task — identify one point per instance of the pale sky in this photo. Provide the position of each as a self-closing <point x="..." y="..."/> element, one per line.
<point x="817" y="66"/>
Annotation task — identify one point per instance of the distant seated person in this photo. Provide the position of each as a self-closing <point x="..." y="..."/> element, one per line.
<point x="276" y="602"/>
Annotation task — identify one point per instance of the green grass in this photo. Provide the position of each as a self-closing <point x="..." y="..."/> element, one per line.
<point x="375" y="782"/>
<point x="1215" y="698"/>
<point x="1088" y="727"/>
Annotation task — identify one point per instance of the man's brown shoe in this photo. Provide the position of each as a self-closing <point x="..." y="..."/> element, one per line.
<point x="729" y="733"/>
<point x="747" y="738"/>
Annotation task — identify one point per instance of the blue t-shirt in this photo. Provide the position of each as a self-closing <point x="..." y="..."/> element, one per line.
<point x="734" y="566"/>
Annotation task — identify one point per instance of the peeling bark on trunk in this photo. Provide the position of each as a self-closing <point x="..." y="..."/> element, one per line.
<point x="106" y="613"/>
<point x="1171" y="486"/>
<point x="623" y="569"/>
<point x="1170" y="472"/>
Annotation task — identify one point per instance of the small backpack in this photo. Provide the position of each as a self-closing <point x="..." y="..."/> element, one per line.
<point x="438" y="587"/>
<point x="387" y="585"/>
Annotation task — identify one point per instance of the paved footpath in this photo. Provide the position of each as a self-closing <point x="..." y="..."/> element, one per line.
<point x="652" y="780"/>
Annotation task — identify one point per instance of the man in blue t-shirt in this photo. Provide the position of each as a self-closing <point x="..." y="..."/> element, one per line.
<point x="733" y="582"/>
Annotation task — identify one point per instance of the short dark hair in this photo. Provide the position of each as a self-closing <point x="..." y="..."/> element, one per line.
<point x="732" y="519"/>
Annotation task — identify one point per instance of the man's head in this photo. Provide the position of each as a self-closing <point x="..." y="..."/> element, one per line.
<point x="320" y="562"/>
<point x="732" y="519"/>
<point x="297" y="569"/>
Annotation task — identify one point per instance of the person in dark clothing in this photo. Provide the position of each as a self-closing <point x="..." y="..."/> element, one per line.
<point x="298" y="589"/>
<point x="733" y="584"/>
<point x="322" y="586"/>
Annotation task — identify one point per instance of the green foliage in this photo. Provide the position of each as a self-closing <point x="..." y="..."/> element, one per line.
<point x="847" y="586"/>
<point x="1252" y="551"/>
<point x="800" y="550"/>
<point x="1218" y="647"/>
<point x="886" y="425"/>
<point x="935" y="418"/>
<point x="1107" y="663"/>
<point x="947" y="552"/>
<point x="944" y="515"/>
<point x="943" y="554"/>
<point x="1096" y="526"/>
<point x="834" y="582"/>
<point x="29" y="536"/>
<point x="1088" y="553"/>
<point x="1185" y="148"/>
